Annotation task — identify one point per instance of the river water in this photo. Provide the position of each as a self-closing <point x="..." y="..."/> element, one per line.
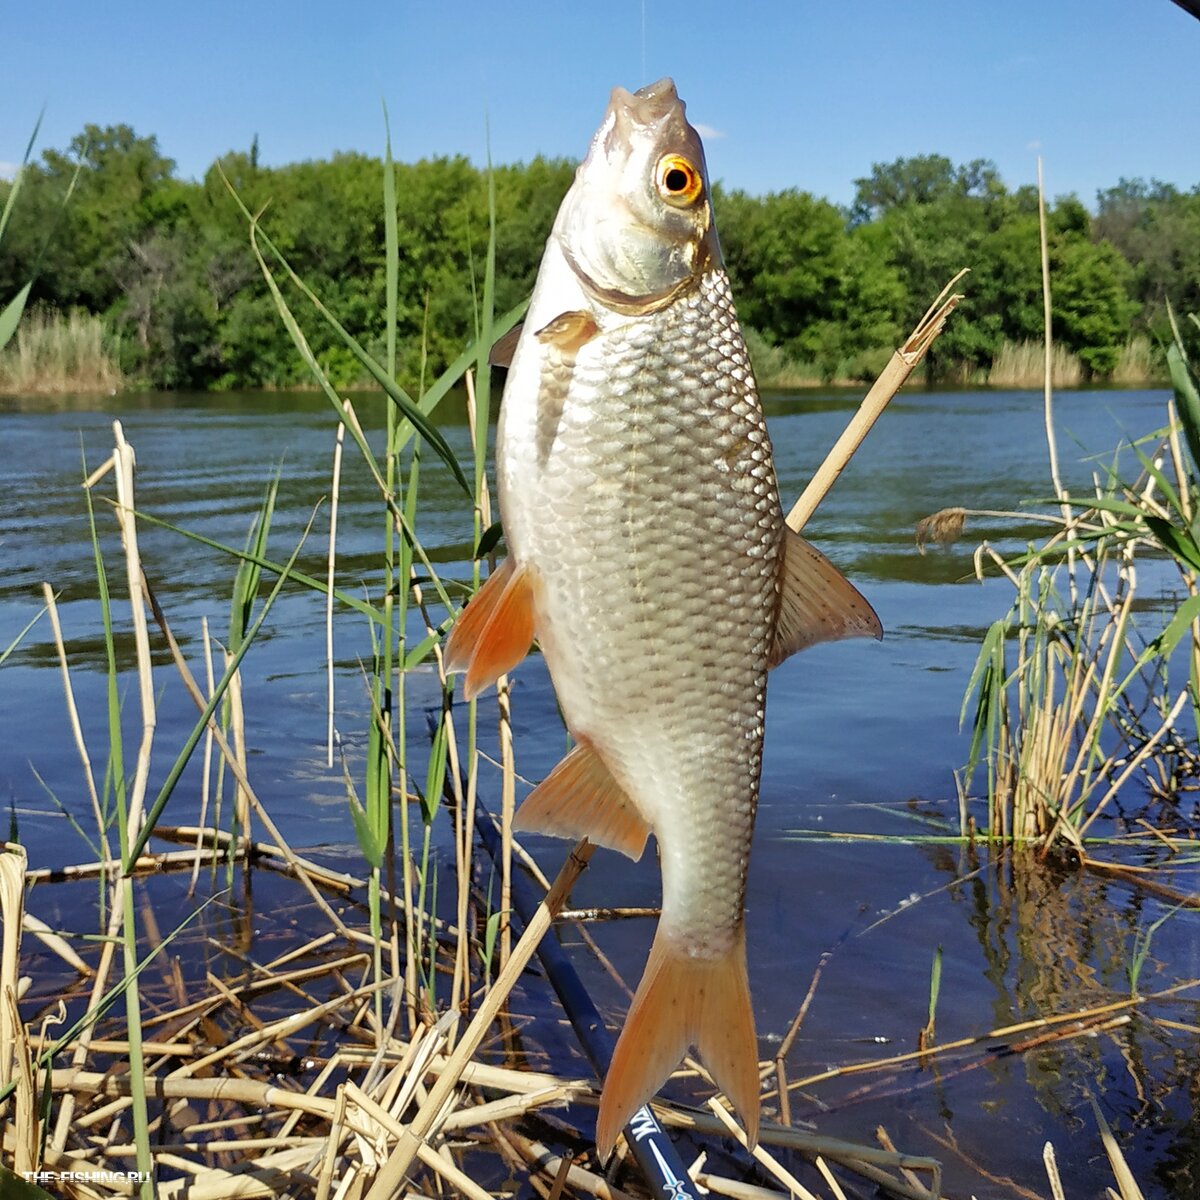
<point x="862" y="739"/>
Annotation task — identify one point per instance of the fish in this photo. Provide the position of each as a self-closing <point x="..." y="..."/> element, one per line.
<point x="649" y="557"/>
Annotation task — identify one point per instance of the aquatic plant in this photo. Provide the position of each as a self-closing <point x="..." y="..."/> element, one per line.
<point x="1072" y="703"/>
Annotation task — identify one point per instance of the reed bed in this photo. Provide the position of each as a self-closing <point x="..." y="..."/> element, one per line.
<point x="1072" y="701"/>
<point x="60" y="352"/>
<point x="1021" y="364"/>
<point x="1141" y="362"/>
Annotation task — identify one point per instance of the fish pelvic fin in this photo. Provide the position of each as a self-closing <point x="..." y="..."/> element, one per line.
<point x="817" y="602"/>
<point x="494" y="631"/>
<point x="580" y="798"/>
<point x="684" y="1001"/>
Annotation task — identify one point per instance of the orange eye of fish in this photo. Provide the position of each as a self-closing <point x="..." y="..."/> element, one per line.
<point x="679" y="183"/>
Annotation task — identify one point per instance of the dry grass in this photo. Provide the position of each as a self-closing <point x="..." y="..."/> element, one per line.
<point x="1141" y="362"/>
<point x="53" y="352"/>
<point x="1021" y="365"/>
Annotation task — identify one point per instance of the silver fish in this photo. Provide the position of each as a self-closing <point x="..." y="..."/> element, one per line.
<point x="649" y="557"/>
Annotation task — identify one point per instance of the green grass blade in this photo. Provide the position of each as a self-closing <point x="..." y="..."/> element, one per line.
<point x="10" y="318"/>
<point x="19" y="178"/>
<point x="1187" y="398"/>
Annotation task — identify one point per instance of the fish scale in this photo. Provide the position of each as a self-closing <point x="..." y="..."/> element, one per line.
<point x="667" y="585"/>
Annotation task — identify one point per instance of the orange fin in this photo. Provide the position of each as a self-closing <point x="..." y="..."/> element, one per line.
<point x="494" y="632"/>
<point x="580" y="798"/>
<point x="569" y="331"/>
<point x="817" y="602"/>
<point x="684" y="1001"/>
<point x="501" y="354"/>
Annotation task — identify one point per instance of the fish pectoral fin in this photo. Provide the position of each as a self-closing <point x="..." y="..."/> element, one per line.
<point x="569" y="332"/>
<point x="501" y="353"/>
<point x="494" y="631"/>
<point x="580" y="798"/>
<point x="817" y="602"/>
<point x="684" y="1001"/>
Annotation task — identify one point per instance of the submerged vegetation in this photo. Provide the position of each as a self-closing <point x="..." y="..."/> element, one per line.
<point x="826" y="291"/>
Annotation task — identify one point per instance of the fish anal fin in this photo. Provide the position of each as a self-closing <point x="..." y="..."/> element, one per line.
<point x="683" y="1001"/>
<point x="569" y="332"/>
<point x="817" y="602"/>
<point x="580" y="798"/>
<point x="494" y="632"/>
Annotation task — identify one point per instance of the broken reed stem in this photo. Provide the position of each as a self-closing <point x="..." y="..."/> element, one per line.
<point x="391" y="1177"/>
<point x="890" y="381"/>
<point x="541" y="1158"/>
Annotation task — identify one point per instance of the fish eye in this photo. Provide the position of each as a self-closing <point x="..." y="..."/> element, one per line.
<point x="678" y="181"/>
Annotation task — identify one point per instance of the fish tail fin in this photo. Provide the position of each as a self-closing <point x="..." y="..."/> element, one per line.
<point x="684" y="1001"/>
<point x="494" y="632"/>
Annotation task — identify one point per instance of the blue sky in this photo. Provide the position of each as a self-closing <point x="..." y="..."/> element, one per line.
<point x="805" y="94"/>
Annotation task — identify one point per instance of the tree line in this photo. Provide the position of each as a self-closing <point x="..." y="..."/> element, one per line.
<point x="167" y="263"/>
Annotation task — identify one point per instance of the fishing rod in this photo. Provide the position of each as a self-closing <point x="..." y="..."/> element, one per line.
<point x="652" y="1149"/>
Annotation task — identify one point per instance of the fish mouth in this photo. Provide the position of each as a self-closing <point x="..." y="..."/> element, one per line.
<point x="647" y="105"/>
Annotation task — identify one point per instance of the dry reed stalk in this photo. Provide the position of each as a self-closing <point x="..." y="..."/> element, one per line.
<point x="392" y="1176"/>
<point x="890" y="381"/>
<point x="828" y="1176"/>
<point x="869" y="1161"/>
<point x="760" y="1153"/>
<point x="1055" y="1180"/>
<point x="16" y="1065"/>
<point x="387" y="1122"/>
<point x="884" y="1139"/>
<point x="735" y="1188"/>
<point x="789" y="1038"/>
<point x="1004" y="1032"/>
<point x="541" y="1158"/>
<point x="55" y="1160"/>
<point x="237" y="734"/>
<point x="329" y="1159"/>
<point x="276" y="1029"/>
<point x="147" y="864"/>
<point x="241" y="1145"/>
<point x="510" y="1107"/>
<point x="126" y="507"/>
<point x="253" y="1092"/>
<point x="12" y="908"/>
<point x="73" y="718"/>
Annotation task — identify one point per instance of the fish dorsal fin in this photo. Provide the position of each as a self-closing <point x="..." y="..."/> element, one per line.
<point x="817" y="602"/>
<point x="569" y="332"/>
<point x="501" y="353"/>
<point x="580" y="798"/>
<point x="494" y="632"/>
